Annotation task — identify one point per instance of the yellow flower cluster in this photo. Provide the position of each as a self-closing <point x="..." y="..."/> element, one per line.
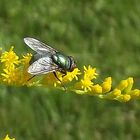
<point x="14" y="72"/>
<point x="122" y="92"/>
<point x="13" y="69"/>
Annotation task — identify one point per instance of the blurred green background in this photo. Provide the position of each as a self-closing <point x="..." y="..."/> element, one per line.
<point x="102" y="33"/>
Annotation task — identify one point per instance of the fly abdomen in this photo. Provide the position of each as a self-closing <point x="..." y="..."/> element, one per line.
<point x="35" y="57"/>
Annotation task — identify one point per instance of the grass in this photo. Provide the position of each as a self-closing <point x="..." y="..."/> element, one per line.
<point x="104" y="34"/>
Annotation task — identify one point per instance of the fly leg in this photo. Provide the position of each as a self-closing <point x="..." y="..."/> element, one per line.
<point x="31" y="77"/>
<point x="59" y="80"/>
<point x="63" y="72"/>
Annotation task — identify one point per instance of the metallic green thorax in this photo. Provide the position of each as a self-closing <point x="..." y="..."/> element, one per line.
<point x="61" y="60"/>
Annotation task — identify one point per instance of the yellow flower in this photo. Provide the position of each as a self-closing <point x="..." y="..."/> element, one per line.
<point x="26" y="78"/>
<point x="10" y="59"/>
<point x="126" y="85"/>
<point x="124" y="98"/>
<point x="135" y="93"/>
<point x="122" y="85"/>
<point x="106" y="85"/>
<point x="96" y="89"/>
<point x="86" y="84"/>
<point x="49" y="80"/>
<point x="90" y="73"/>
<point x="26" y="59"/>
<point x="130" y="82"/>
<point x="113" y="94"/>
<point x="11" y="76"/>
<point x="71" y="75"/>
<point x="7" y="138"/>
<point x="116" y="92"/>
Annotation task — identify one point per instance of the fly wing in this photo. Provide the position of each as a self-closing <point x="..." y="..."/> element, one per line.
<point x="38" y="46"/>
<point x="43" y="65"/>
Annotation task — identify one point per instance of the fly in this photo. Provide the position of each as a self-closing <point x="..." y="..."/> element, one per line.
<point x="47" y="59"/>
